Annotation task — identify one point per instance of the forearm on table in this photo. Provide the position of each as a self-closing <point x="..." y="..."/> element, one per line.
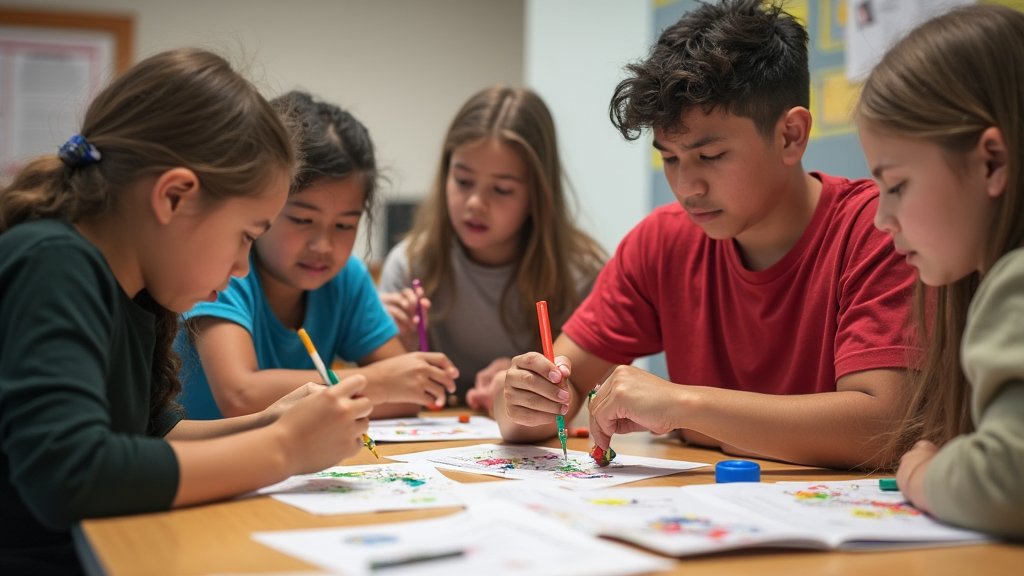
<point x="225" y="467"/>
<point x="975" y="479"/>
<point x="260" y="389"/>
<point x="843" y="429"/>
<point x="205" y="429"/>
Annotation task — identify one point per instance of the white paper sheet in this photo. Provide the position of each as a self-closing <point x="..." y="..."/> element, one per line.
<point x="542" y="463"/>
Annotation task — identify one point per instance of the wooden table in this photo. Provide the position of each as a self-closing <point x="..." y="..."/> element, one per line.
<point x="215" y="538"/>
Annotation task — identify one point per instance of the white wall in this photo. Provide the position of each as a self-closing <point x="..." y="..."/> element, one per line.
<point x="403" y="67"/>
<point x="575" y="51"/>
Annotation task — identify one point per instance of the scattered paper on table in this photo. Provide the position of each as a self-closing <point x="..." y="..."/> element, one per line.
<point x="371" y="488"/>
<point x="433" y="429"/>
<point x="494" y="538"/>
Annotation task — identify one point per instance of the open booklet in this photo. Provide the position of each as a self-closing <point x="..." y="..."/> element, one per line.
<point x="680" y="521"/>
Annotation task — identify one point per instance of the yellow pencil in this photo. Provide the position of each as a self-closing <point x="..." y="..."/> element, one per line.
<point x="330" y="378"/>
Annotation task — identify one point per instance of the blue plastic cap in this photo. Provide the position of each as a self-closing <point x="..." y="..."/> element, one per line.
<point x="737" y="471"/>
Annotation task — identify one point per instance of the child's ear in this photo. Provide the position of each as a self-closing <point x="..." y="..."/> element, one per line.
<point x="992" y="149"/>
<point x="794" y="131"/>
<point x="173" y="190"/>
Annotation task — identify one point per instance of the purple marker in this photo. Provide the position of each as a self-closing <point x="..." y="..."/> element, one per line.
<point x="421" y="325"/>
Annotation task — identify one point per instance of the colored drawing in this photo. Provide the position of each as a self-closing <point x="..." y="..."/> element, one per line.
<point x="664" y="519"/>
<point x="433" y="429"/>
<point x="540" y="463"/>
<point x="825" y="496"/>
<point x="353" y="489"/>
<point x="833" y="97"/>
<point x="699" y="519"/>
<point x="698" y="526"/>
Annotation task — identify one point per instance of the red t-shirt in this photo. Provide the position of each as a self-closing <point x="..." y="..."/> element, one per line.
<point x="837" y="303"/>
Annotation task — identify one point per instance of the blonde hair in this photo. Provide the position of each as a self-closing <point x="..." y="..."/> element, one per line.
<point x="945" y="83"/>
<point x="554" y="252"/>
<point x="184" y="107"/>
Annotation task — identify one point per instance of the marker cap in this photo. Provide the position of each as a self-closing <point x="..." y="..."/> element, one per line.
<point x="737" y="471"/>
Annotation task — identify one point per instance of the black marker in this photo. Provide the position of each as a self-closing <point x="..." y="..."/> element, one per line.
<point x="415" y="559"/>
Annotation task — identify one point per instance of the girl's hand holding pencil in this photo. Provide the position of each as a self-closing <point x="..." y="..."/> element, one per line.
<point x="325" y="427"/>
<point x="404" y="308"/>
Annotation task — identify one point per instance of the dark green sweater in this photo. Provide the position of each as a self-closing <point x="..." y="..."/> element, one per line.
<point x="75" y="368"/>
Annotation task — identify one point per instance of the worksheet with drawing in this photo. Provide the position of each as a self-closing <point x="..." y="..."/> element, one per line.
<point x="701" y="519"/>
<point x="542" y="463"/>
<point x="370" y="488"/>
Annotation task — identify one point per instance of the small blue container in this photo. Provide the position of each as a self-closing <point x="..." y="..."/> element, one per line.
<point x="737" y="471"/>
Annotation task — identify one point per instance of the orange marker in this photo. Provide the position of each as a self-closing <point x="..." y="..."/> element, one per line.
<point x="549" y="352"/>
<point x="581" y="432"/>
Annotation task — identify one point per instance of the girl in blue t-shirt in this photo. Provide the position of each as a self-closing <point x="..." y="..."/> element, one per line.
<point x="178" y="165"/>
<point x="304" y="276"/>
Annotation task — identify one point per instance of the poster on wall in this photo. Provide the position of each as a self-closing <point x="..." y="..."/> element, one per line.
<point x="874" y="25"/>
<point x="46" y="80"/>
<point x="52" y="62"/>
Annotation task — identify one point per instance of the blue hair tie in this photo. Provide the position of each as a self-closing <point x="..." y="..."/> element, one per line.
<point x="77" y="152"/>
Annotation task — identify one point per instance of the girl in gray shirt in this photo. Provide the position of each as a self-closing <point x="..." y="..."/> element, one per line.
<point x="492" y="238"/>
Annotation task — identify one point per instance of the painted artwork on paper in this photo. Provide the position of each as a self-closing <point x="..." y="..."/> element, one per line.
<point x="372" y="488"/>
<point x="547" y="464"/>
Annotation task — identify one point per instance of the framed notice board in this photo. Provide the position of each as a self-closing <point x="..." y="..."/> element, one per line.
<point x="51" y="64"/>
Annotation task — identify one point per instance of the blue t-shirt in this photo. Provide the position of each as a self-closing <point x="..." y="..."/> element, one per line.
<point x="344" y="318"/>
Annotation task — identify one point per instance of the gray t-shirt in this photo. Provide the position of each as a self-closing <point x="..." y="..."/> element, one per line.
<point x="471" y="334"/>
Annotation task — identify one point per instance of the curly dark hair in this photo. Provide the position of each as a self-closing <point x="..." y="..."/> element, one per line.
<point x="742" y="56"/>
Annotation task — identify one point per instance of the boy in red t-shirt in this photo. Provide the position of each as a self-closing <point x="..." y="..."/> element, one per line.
<point x="781" y="310"/>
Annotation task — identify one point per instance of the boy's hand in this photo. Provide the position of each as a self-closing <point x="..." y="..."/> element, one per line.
<point x="632" y="400"/>
<point x="326" y="426"/>
<point x="402" y="308"/>
<point x="535" y="390"/>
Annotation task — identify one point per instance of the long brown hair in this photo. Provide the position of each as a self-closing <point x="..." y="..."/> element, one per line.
<point x="554" y="253"/>
<point x="184" y="107"/>
<point x="945" y="83"/>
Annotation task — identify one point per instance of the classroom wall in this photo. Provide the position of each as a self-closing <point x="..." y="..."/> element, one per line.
<point x="575" y="52"/>
<point x="403" y="67"/>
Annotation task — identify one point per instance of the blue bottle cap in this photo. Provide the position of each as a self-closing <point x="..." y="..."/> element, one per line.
<point x="737" y="471"/>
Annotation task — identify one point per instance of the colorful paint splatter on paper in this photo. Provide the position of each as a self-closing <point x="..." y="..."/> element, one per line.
<point x="355" y="489"/>
<point x="541" y="463"/>
<point x="850" y="497"/>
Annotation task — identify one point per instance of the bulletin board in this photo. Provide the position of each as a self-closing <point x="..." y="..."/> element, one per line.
<point x="51" y="64"/>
